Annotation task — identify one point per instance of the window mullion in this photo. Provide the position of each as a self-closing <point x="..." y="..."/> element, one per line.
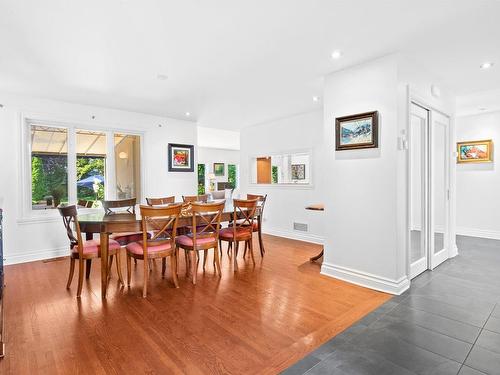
<point x="72" y="194"/>
<point x="110" y="186"/>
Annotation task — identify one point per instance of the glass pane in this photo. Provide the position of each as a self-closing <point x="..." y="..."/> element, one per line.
<point x="49" y="167"/>
<point x="231" y="176"/>
<point x="90" y="166"/>
<point x="128" y="166"/>
<point x="439" y="164"/>
<point x="417" y="175"/>
<point x="201" y="179"/>
<point x="282" y="169"/>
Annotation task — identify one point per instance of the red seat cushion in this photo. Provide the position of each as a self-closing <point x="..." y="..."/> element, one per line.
<point x="255" y="224"/>
<point x="137" y="247"/>
<point x="127" y="237"/>
<point x="241" y="233"/>
<point x="188" y="240"/>
<point x="93" y="246"/>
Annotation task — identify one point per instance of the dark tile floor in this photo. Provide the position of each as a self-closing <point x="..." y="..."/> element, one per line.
<point x="447" y="323"/>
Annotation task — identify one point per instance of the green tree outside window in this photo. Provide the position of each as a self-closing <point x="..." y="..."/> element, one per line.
<point x="201" y="179"/>
<point x="231" y="175"/>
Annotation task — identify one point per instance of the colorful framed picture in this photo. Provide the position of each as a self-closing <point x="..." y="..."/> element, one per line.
<point x="475" y="151"/>
<point x="219" y="169"/>
<point x="298" y="171"/>
<point x="356" y="131"/>
<point x="180" y="158"/>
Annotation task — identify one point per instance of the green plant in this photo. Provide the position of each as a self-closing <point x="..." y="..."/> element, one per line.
<point x="231" y="175"/>
<point x="274" y="174"/>
<point x="38" y="180"/>
<point x="201" y="179"/>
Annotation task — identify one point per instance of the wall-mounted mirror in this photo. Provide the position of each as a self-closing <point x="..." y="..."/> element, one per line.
<point x="287" y="168"/>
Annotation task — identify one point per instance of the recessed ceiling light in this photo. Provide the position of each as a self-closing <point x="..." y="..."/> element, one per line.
<point x="188" y="114"/>
<point x="315" y="98"/>
<point x="162" y="77"/>
<point x="337" y="54"/>
<point x="486" y="65"/>
<point x="482" y="109"/>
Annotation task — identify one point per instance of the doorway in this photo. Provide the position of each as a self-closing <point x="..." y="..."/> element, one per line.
<point x="429" y="189"/>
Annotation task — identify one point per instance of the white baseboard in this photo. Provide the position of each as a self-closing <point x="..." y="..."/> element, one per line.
<point x="295" y="235"/>
<point x="36" y="255"/>
<point x="366" y="279"/>
<point x="472" y="232"/>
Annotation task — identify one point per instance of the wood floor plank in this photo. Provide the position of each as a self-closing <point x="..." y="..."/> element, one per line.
<point x="259" y="320"/>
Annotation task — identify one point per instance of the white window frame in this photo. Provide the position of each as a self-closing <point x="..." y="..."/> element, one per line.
<point x="27" y="120"/>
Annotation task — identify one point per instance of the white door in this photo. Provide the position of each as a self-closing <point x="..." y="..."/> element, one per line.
<point x="419" y="200"/>
<point x="439" y="202"/>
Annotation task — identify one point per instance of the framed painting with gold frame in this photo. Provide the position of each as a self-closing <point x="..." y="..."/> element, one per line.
<point x="475" y="151"/>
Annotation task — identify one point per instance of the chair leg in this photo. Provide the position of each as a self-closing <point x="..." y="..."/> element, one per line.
<point x="71" y="271"/>
<point x="250" y="245"/>
<point x="119" y="268"/>
<point x="173" y="268"/>
<point x="245" y="251"/>
<point x="261" y="243"/>
<point x="80" y="277"/>
<point x="163" y="266"/>
<point x="129" y="269"/>
<point x="205" y="256"/>
<point x="235" y="255"/>
<point x="229" y="247"/>
<point x="186" y="257"/>
<point x="146" y="277"/>
<point x="88" y="266"/>
<point x="217" y="261"/>
<point x="194" y="265"/>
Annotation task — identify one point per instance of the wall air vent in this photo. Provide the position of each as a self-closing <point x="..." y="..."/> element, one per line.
<point x="300" y="226"/>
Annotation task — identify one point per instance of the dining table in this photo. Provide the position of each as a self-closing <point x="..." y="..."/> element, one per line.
<point x="104" y="224"/>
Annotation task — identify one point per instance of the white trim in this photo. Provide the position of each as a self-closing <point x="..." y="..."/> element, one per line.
<point x="483" y="233"/>
<point x="365" y="279"/>
<point x="36" y="255"/>
<point x="295" y="235"/>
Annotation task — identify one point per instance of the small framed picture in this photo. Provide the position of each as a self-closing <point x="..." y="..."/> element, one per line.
<point x="356" y="131"/>
<point x="219" y="169"/>
<point x="475" y="151"/>
<point x="180" y="158"/>
<point x="298" y="171"/>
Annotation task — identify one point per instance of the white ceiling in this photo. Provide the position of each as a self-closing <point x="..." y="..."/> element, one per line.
<point x="232" y="63"/>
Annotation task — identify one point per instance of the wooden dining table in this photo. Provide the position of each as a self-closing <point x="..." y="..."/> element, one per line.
<point x="106" y="224"/>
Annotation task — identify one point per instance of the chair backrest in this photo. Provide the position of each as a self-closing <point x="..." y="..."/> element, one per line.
<point x="206" y="219"/>
<point x="70" y="217"/>
<point x="160" y="201"/>
<point x="262" y="202"/>
<point x="129" y="204"/>
<point x="195" y="198"/>
<point x="220" y="194"/>
<point x="85" y="204"/>
<point x="162" y="221"/>
<point x="244" y="213"/>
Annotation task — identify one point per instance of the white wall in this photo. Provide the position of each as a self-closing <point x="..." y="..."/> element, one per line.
<point x="286" y="204"/>
<point x="209" y="156"/>
<point x="27" y="239"/>
<point x="218" y="138"/>
<point x="478" y="185"/>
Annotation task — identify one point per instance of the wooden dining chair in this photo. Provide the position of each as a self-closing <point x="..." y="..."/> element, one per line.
<point x="160" y="201"/>
<point x="205" y="235"/>
<point x="163" y="221"/>
<point x="241" y="228"/>
<point x="257" y="226"/>
<point x="195" y="198"/>
<point x="84" y="250"/>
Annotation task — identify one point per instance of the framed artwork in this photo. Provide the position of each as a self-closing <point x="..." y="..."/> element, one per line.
<point x="180" y="158"/>
<point x="475" y="151"/>
<point x="219" y="169"/>
<point x="298" y="171"/>
<point x="356" y="131"/>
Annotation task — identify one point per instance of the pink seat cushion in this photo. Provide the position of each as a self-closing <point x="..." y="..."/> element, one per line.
<point x="188" y="241"/>
<point x="127" y="237"/>
<point x="93" y="246"/>
<point x="137" y="247"/>
<point x="228" y="233"/>
<point x="255" y="224"/>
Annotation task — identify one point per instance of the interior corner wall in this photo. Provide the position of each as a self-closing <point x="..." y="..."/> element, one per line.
<point x="478" y="194"/>
<point x="286" y="204"/>
<point x="26" y="240"/>
<point x="361" y="213"/>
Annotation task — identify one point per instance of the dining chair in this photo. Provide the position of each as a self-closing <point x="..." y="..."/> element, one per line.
<point x="163" y="220"/>
<point x="84" y="250"/>
<point x="160" y="201"/>
<point x="205" y="235"/>
<point x="122" y="206"/>
<point x="195" y="198"/>
<point x="241" y="228"/>
<point x="257" y="227"/>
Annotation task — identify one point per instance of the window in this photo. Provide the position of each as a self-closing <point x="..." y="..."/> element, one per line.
<point x="68" y="164"/>
<point x="292" y="169"/>
<point x="49" y="167"/>
<point x="231" y="176"/>
<point x="201" y="179"/>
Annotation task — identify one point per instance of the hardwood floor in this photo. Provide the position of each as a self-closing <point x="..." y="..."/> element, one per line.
<point x="257" y="321"/>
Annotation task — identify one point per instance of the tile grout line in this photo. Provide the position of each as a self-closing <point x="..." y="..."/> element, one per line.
<point x="475" y="341"/>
